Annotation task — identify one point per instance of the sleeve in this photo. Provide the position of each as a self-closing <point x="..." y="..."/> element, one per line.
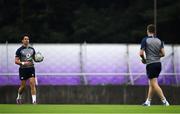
<point x="143" y="44"/>
<point x="162" y="44"/>
<point x="18" y="54"/>
<point x="34" y="52"/>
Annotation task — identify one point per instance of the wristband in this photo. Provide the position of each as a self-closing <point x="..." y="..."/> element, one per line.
<point x="22" y="63"/>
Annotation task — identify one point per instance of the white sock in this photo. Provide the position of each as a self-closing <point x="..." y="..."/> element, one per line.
<point x="19" y="96"/>
<point x="33" y="98"/>
<point x="164" y="100"/>
<point x="148" y="101"/>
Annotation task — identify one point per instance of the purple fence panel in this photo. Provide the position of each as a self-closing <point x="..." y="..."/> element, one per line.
<point x="118" y="63"/>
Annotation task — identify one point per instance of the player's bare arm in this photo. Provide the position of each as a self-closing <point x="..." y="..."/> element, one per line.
<point x="162" y="52"/>
<point x="143" y="59"/>
<point x="18" y="62"/>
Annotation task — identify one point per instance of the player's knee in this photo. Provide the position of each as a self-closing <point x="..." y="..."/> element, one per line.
<point x="32" y="84"/>
<point x="23" y="86"/>
<point x="32" y="81"/>
<point x="153" y="85"/>
<point x="33" y="88"/>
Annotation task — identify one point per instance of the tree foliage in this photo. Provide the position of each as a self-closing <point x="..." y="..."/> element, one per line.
<point x="93" y="21"/>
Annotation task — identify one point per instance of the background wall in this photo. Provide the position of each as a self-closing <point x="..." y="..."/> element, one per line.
<point x="112" y="94"/>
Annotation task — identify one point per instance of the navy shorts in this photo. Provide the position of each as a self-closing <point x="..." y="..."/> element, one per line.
<point x="26" y="73"/>
<point x="153" y="70"/>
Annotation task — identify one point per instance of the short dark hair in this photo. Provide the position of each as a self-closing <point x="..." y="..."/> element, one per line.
<point x="151" y="28"/>
<point x="23" y="35"/>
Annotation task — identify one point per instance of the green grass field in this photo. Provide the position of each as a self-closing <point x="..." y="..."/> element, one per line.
<point x="87" y="109"/>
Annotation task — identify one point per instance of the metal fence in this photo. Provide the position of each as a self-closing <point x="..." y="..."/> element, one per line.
<point x="90" y="64"/>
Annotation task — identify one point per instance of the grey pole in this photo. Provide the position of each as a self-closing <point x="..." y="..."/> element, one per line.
<point x="155" y="16"/>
